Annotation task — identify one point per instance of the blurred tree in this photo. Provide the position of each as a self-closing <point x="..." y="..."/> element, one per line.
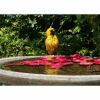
<point x="25" y="34"/>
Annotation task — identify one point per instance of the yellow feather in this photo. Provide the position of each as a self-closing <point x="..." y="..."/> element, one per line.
<point x="51" y="42"/>
<point x="48" y="31"/>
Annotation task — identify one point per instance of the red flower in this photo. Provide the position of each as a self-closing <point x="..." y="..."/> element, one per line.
<point x="58" y="62"/>
<point x="60" y="59"/>
<point x="56" y="66"/>
<point x="36" y="62"/>
<point x="44" y="62"/>
<point x="86" y="63"/>
<point x="30" y="63"/>
<point x="97" y="61"/>
<point x="76" y="60"/>
<point x="75" y="56"/>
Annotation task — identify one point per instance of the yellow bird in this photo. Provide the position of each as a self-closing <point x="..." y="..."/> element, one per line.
<point x="51" y="41"/>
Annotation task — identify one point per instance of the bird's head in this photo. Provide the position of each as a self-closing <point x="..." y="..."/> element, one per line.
<point x="50" y="31"/>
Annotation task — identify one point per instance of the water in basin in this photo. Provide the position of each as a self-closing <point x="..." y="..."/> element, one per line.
<point x="56" y="65"/>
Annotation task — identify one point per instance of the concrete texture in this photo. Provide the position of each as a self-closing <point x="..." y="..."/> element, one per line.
<point x="18" y="78"/>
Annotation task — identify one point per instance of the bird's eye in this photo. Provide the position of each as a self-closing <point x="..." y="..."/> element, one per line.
<point x="52" y="32"/>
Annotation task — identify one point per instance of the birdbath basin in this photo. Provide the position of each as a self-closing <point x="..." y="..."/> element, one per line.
<point x="54" y="70"/>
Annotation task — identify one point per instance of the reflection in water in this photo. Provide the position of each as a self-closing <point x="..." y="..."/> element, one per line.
<point x="51" y="68"/>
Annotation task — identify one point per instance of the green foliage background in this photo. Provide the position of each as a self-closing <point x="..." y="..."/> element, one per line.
<point x="25" y="34"/>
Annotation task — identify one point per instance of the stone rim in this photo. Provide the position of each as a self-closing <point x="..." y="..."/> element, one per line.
<point x="19" y="78"/>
